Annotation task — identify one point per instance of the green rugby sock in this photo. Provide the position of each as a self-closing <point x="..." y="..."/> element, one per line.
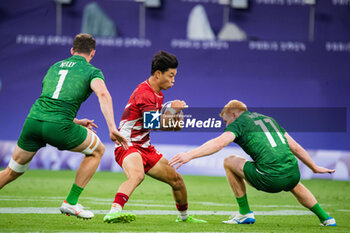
<point x="321" y="214"/>
<point x="243" y="204"/>
<point x="74" y="194"/>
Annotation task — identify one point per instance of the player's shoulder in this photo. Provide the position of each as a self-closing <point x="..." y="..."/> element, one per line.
<point x="143" y="92"/>
<point x="246" y="119"/>
<point x="90" y="66"/>
<point x="57" y="64"/>
<point x="144" y="88"/>
<point x="89" y="69"/>
<point x="248" y="116"/>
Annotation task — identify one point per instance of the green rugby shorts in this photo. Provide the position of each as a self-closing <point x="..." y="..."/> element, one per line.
<point x="65" y="136"/>
<point x="271" y="183"/>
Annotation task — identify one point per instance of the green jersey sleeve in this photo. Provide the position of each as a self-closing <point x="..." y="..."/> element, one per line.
<point x="96" y="74"/>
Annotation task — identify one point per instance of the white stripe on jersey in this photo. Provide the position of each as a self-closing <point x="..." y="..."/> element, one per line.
<point x="128" y="105"/>
<point x="137" y="127"/>
<point x="126" y="127"/>
<point x="146" y="144"/>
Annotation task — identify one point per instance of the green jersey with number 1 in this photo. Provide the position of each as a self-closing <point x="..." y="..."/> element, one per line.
<point x="263" y="139"/>
<point x="65" y="87"/>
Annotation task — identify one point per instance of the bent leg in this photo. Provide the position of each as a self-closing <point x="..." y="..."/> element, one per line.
<point x="304" y="196"/>
<point x="235" y="175"/>
<point x="90" y="162"/>
<point x="308" y="200"/>
<point x="234" y="171"/>
<point x="21" y="157"/>
<point x="87" y="166"/>
<point x="134" y="171"/>
<point x="162" y="171"/>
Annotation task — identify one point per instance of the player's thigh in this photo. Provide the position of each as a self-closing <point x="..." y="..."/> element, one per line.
<point x="73" y="137"/>
<point x="265" y="182"/>
<point x="299" y="189"/>
<point x="133" y="166"/>
<point x="90" y="144"/>
<point x="254" y="177"/>
<point x="65" y="135"/>
<point x="22" y="156"/>
<point x="235" y="164"/>
<point x="162" y="171"/>
<point x="292" y="181"/>
<point x="31" y="139"/>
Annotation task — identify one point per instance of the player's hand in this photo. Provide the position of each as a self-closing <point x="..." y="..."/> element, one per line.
<point x="89" y="124"/>
<point x="118" y="139"/>
<point x="180" y="158"/>
<point x="318" y="169"/>
<point x="178" y="105"/>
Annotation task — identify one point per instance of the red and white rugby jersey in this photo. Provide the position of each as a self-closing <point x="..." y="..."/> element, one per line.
<point x="144" y="98"/>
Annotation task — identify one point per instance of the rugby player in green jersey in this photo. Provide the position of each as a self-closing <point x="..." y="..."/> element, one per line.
<point x="51" y="120"/>
<point x="274" y="167"/>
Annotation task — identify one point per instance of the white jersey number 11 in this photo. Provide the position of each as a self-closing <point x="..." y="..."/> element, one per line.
<point x="267" y="133"/>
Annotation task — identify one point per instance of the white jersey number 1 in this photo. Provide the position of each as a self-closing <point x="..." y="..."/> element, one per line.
<point x="63" y="74"/>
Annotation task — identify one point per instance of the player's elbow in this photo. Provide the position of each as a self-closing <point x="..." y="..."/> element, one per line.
<point x="299" y="150"/>
<point x="219" y="145"/>
<point x="296" y="149"/>
<point x="104" y="95"/>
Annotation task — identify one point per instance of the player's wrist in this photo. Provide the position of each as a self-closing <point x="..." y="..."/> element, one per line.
<point x="314" y="168"/>
<point x="112" y="128"/>
<point x="190" y="155"/>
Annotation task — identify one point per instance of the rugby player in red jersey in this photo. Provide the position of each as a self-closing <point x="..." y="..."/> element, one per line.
<point x="141" y="157"/>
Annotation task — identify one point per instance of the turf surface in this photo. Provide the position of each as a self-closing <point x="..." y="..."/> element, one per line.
<point x="49" y="189"/>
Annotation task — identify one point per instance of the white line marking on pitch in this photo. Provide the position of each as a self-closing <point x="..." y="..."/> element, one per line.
<point x="52" y="210"/>
<point x="160" y="232"/>
<point x="131" y="203"/>
<point x="145" y="203"/>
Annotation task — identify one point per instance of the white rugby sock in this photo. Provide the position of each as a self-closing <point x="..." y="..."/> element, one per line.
<point x="115" y="208"/>
<point x="183" y="214"/>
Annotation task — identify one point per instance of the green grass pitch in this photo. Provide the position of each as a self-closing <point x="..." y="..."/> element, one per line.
<point x="47" y="190"/>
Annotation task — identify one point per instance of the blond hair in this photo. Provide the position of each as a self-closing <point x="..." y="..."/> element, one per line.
<point x="233" y="105"/>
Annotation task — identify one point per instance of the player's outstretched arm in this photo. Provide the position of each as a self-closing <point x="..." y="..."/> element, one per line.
<point x="301" y="153"/>
<point x="208" y="148"/>
<point x="106" y="105"/>
<point x="89" y="124"/>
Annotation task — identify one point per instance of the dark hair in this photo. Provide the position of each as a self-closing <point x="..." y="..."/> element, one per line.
<point x="163" y="61"/>
<point x="84" y="43"/>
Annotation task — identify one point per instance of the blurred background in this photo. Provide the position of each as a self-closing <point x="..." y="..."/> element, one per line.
<point x="266" y="53"/>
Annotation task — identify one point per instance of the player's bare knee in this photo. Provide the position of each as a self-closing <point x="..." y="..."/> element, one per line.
<point x="95" y="147"/>
<point x="15" y="169"/>
<point x="14" y="174"/>
<point x="11" y="174"/>
<point x="99" y="151"/>
<point x="137" y="178"/>
<point x="177" y="182"/>
<point x="229" y="161"/>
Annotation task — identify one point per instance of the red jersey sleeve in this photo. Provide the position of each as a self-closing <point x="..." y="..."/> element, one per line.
<point x="146" y="101"/>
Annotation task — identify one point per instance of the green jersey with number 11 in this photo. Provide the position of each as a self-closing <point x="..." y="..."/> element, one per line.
<point x="263" y="139"/>
<point x="65" y="87"/>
